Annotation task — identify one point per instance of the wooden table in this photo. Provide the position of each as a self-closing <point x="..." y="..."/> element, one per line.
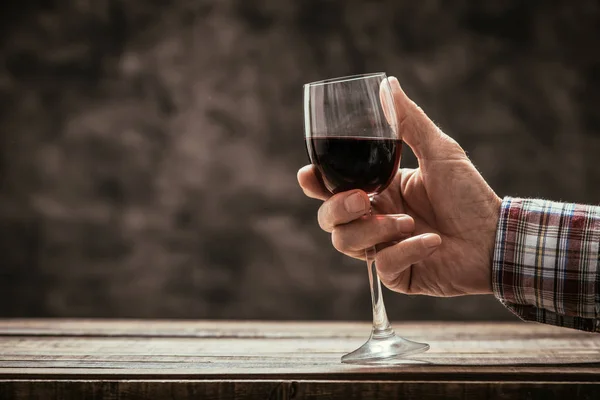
<point x="110" y="359"/>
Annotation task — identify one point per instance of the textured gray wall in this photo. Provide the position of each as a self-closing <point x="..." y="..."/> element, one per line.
<point x="149" y="148"/>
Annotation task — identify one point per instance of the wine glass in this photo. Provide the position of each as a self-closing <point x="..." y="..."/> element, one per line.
<point x="352" y="139"/>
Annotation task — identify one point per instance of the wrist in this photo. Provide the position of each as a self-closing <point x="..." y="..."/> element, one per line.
<point x="489" y="238"/>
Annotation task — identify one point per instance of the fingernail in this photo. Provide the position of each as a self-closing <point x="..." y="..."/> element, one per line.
<point x="431" y="240"/>
<point x="355" y="203"/>
<point x="405" y="223"/>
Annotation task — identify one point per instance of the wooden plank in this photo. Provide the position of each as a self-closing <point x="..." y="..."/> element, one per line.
<point x="77" y="356"/>
<point x="178" y="328"/>
<point x="304" y="389"/>
<point x="64" y="350"/>
<point x="540" y="374"/>
<point x="298" y="351"/>
<point x="284" y="329"/>
<point x="70" y="359"/>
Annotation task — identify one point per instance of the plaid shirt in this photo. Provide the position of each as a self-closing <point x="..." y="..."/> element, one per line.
<point x="545" y="265"/>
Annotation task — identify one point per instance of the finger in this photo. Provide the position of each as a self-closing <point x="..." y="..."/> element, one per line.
<point x="394" y="263"/>
<point x="418" y="131"/>
<point x="371" y="230"/>
<point x="311" y="184"/>
<point x="343" y="208"/>
<point x="360" y="254"/>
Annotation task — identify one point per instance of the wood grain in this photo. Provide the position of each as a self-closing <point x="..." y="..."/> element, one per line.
<point x="260" y="329"/>
<point x="342" y="390"/>
<point x="220" y="359"/>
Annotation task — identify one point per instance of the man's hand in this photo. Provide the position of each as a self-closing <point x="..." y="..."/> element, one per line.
<point x="445" y="204"/>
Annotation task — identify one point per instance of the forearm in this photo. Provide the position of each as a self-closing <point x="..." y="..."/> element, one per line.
<point x="545" y="264"/>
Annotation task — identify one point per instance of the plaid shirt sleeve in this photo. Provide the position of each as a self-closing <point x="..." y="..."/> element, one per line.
<point x="545" y="265"/>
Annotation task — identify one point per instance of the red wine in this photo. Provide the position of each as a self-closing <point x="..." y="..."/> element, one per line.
<point x="347" y="163"/>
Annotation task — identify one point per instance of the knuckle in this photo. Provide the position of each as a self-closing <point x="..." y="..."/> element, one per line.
<point x="390" y="227"/>
<point x="383" y="264"/>
<point x="452" y="146"/>
<point x="331" y="213"/>
<point x="344" y="239"/>
<point x="391" y="259"/>
<point x="389" y="282"/>
<point x="338" y="240"/>
<point x="391" y="273"/>
<point x="323" y="217"/>
<point x="321" y="225"/>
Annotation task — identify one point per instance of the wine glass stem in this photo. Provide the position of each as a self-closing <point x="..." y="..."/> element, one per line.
<point x="381" y="324"/>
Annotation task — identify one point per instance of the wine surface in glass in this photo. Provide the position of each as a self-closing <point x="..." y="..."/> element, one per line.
<point x="354" y="162"/>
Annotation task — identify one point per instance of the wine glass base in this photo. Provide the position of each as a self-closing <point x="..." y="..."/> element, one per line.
<point x="384" y="347"/>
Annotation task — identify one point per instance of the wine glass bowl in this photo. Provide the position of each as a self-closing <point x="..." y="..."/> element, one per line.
<point x="355" y="162"/>
<point x="352" y="139"/>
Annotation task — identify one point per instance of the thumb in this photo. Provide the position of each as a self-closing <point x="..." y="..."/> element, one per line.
<point x="425" y="139"/>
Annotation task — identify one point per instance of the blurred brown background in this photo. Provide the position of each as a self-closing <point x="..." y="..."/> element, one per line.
<point x="149" y="148"/>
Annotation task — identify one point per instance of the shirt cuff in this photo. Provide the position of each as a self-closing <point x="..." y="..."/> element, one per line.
<point x="545" y="265"/>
